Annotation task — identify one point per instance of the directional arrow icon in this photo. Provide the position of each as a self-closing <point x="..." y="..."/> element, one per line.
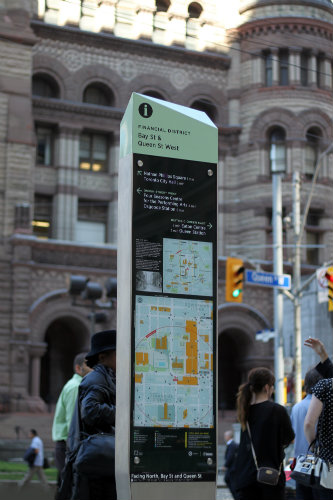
<point x="209" y="225"/>
<point x="139" y="190"/>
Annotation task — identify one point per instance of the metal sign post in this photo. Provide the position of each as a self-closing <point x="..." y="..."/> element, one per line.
<point x="167" y="282"/>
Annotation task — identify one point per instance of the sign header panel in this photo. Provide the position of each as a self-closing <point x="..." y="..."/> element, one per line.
<point x="154" y="127"/>
<point x="268" y="279"/>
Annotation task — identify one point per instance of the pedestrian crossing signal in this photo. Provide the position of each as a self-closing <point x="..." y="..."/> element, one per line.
<point x="234" y="280"/>
<point x="329" y="277"/>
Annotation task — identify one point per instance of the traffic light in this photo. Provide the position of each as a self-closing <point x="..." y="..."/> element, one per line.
<point x="329" y="277"/>
<point x="234" y="280"/>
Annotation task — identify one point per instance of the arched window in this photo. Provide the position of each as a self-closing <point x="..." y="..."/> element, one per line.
<point x="162" y="5"/>
<point x="154" y="93"/>
<point x="277" y="150"/>
<point x="98" y="94"/>
<point x="205" y="106"/>
<point x="313" y="137"/>
<point x="44" y="85"/>
<point x="194" y="10"/>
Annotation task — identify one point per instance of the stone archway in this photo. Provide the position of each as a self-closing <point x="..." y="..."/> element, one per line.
<point x="64" y="331"/>
<point x="237" y="350"/>
<point x="233" y="346"/>
<point x="64" y="338"/>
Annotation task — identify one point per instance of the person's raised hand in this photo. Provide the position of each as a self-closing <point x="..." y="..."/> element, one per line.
<point x="318" y="347"/>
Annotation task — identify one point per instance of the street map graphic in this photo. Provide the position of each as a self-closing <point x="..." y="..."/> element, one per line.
<point x="173" y="362"/>
<point x="187" y="267"/>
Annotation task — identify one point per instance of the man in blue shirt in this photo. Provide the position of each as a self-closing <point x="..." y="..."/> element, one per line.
<point x="297" y="417"/>
<point x="37" y="465"/>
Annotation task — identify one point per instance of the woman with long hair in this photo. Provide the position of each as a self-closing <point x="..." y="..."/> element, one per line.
<point x="268" y="426"/>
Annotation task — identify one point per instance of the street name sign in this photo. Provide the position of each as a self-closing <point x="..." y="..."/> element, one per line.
<point x="268" y="279"/>
<point x="265" y="335"/>
<point x="166" y="431"/>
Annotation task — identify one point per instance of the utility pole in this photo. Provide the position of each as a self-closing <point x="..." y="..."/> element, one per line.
<point x="278" y="297"/>
<point x="296" y="288"/>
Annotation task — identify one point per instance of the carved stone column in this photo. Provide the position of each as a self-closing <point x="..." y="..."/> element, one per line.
<point x="37" y="350"/>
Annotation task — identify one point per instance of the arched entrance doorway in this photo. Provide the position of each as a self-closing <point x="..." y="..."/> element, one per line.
<point x="238" y="351"/>
<point x="65" y="337"/>
<point x="233" y="346"/>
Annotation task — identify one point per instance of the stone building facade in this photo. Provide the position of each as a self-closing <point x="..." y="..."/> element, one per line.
<point x="261" y="69"/>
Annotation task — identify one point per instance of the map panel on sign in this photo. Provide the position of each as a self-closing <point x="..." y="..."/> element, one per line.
<point x="187" y="267"/>
<point x="173" y="362"/>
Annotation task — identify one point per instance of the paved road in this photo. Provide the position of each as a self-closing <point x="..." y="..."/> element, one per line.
<point x="34" y="491"/>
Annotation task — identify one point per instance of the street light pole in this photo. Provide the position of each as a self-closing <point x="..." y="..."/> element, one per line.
<point x="296" y="288"/>
<point x="278" y="297"/>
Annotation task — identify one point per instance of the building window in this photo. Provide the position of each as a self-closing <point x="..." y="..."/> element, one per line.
<point x="44" y="145"/>
<point x="153" y="93"/>
<point x="313" y="237"/>
<point x="42" y="219"/>
<point x="268" y="61"/>
<point x="93" y="152"/>
<point x="277" y="150"/>
<point x="44" y="86"/>
<point x="304" y="68"/>
<point x="283" y="67"/>
<point x="207" y="107"/>
<point x="313" y="137"/>
<point x="98" y="94"/>
<point x="92" y="221"/>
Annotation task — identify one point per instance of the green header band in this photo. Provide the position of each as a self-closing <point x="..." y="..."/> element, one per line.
<point x="154" y="127"/>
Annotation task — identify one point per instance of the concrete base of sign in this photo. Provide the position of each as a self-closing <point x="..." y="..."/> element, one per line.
<point x="167" y="491"/>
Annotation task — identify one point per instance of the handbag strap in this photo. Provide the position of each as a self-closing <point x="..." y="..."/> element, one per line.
<point x="253" y="452"/>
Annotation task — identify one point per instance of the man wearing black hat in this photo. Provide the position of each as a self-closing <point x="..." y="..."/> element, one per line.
<point x="97" y="407"/>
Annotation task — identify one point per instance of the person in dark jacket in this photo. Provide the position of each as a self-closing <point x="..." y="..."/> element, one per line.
<point x="97" y="408"/>
<point x="325" y="367"/>
<point x="230" y="461"/>
<point x="271" y="432"/>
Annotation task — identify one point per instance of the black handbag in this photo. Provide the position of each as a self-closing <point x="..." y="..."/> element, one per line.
<point x="95" y="456"/>
<point x="265" y="475"/>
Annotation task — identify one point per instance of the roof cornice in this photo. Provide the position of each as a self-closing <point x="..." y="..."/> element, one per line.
<point x="109" y="41"/>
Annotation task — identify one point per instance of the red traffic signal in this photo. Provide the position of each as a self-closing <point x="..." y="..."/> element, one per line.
<point x="329" y="276"/>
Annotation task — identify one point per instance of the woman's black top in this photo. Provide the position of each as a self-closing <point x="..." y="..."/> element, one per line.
<point x="325" y="369"/>
<point x="271" y="432"/>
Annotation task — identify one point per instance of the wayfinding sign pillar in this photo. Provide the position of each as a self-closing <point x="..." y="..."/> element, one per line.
<point x="167" y="303"/>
